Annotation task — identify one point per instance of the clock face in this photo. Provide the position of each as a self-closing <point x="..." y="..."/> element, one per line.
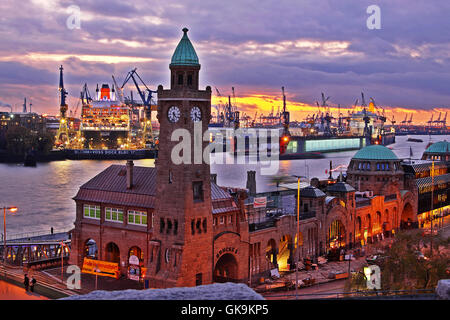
<point x="174" y="114"/>
<point x="196" y="114"/>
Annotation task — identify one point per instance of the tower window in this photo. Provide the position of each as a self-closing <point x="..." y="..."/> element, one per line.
<point x="197" y="188"/>
<point x="198" y="226"/>
<point x="175" y="226"/>
<point x="180" y="79"/>
<point x="198" y="279"/>
<point x="161" y="225"/>
<point x="204" y="225"/>
<point x="193" y="226"/>
<point x="169" y="226"/>
<point x="189" y="79"/>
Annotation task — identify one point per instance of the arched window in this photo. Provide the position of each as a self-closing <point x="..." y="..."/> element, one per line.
<point x="180" y="79"/>
<point x="378" y="166"/>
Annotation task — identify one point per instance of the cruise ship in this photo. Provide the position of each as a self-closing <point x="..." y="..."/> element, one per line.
<point x="105" y="121"/>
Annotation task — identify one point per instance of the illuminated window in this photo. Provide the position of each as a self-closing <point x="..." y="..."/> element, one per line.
<point x="197" y="188"/>
<point x="114" y="214"/>
<point x="92" y="212"/>
<point x="137" y="217"/>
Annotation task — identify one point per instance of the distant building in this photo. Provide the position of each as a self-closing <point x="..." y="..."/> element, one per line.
<point x="439" y="151"/>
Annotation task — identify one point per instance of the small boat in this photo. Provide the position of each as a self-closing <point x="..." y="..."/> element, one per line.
<point x="414" y="140"/>
<point x="301" y="155"/>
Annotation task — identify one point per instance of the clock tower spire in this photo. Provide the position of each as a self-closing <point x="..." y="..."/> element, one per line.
<point x="181" y="245"/>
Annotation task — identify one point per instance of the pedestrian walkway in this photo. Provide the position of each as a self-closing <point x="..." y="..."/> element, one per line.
<point x="10" y="291"/>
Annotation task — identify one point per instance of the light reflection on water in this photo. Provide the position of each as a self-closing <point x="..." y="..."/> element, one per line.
<point x="44" y="194"/>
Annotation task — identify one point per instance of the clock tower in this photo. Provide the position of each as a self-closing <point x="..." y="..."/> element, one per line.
<point x="181" y="245"/>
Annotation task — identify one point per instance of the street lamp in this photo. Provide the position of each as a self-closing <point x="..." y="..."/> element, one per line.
<point x="11" y="209"/>
<point x="298" y="234"/>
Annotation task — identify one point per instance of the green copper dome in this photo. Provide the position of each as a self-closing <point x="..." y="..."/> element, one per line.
<point x="185" y="54"/>
<point x="375" y="152"/>
<point x="439" y="147"/>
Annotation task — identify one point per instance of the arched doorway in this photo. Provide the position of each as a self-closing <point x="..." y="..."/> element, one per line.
<point x="136" y="251"/>
<point x="368" y="229"/>
<point x="271" y="253"/>
<point x="336" y="235"/>
<point x="285" y="257"/>
<point x="407" y="217"/>
<point x="90" y="249"/>
<point x="112" y="253"/>
<point x="226" y="269"/>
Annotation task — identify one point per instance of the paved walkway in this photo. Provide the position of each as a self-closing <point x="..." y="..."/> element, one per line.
<point x="9" y="291"/>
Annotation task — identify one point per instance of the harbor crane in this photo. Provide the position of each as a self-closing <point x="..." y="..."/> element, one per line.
<point x="410" y="119"/>
<point x="146" y="97"/>
<point x="62" y="135"/>
<point x="438" y="120"/>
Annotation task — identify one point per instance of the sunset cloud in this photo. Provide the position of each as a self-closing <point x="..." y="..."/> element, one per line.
<point x="257" y="47"/>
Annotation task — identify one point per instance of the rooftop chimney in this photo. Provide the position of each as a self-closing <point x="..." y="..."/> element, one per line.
<point x="214" y="177"/>
<point x="130" y="166"/>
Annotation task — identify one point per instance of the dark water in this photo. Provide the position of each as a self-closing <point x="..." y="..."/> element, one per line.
<point x="44" y="194"/>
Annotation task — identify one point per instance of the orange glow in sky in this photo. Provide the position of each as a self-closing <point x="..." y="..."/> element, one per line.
<point x="263" y="104"/>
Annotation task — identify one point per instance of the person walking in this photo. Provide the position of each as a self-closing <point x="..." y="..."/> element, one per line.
<point x="26" y="282"/>
<point x="33" y="282"/>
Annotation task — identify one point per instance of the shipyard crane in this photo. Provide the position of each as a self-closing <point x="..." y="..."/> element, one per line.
<point x="146" y="97"/>
<point x="444" y="121"/>
<point x="404" y="121"/>
<point x="393" y="120"/>
<point x="119" y="90"/>
<point x="62" y="136"/>
<point x="235" y="110"/>
<point x="410" y="119"/>
<point x="431" y="120"/>
<point x="438" y="119"/>
<point x="363" y="101"/>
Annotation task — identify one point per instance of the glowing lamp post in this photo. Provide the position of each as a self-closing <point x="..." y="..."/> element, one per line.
<point x="11" y="209"/>
<point x="298" y="234"/>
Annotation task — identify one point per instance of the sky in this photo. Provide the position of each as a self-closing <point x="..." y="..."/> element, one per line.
<point x="255" y="46"/>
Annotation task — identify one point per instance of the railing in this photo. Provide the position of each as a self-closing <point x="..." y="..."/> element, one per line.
<point x="358" y="294"/>
<point x="261" y="225"/>
<point x="390" y="197"/>
<point x="25" y="235"/>
<point x="363" y="203"/>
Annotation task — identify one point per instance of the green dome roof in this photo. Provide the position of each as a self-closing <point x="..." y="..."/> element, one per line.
<point x="185" y="54"/>
<point x="439" y="147"/>
<point x="375" y="152"/>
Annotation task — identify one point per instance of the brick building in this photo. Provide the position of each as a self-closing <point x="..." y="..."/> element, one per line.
<point x="187" y="231"/>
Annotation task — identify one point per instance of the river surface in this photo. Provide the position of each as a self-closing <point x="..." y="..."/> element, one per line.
<point x="44" y="194"/>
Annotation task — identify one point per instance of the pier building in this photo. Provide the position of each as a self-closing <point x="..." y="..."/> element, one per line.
<point x="173" y="225"/>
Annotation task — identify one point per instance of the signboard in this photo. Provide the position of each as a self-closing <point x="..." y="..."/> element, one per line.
<point x="133" y="260"/>
<point x="103" y="268"/>
<point x="134" y="270"/>
<point x="260" y="202"/>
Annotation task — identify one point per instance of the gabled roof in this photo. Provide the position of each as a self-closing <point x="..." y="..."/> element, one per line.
<point x="311" y="192"/>
<point x="185" y="54"/>
<point x="340" y="187"/>
<point x="110" y="186"/>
